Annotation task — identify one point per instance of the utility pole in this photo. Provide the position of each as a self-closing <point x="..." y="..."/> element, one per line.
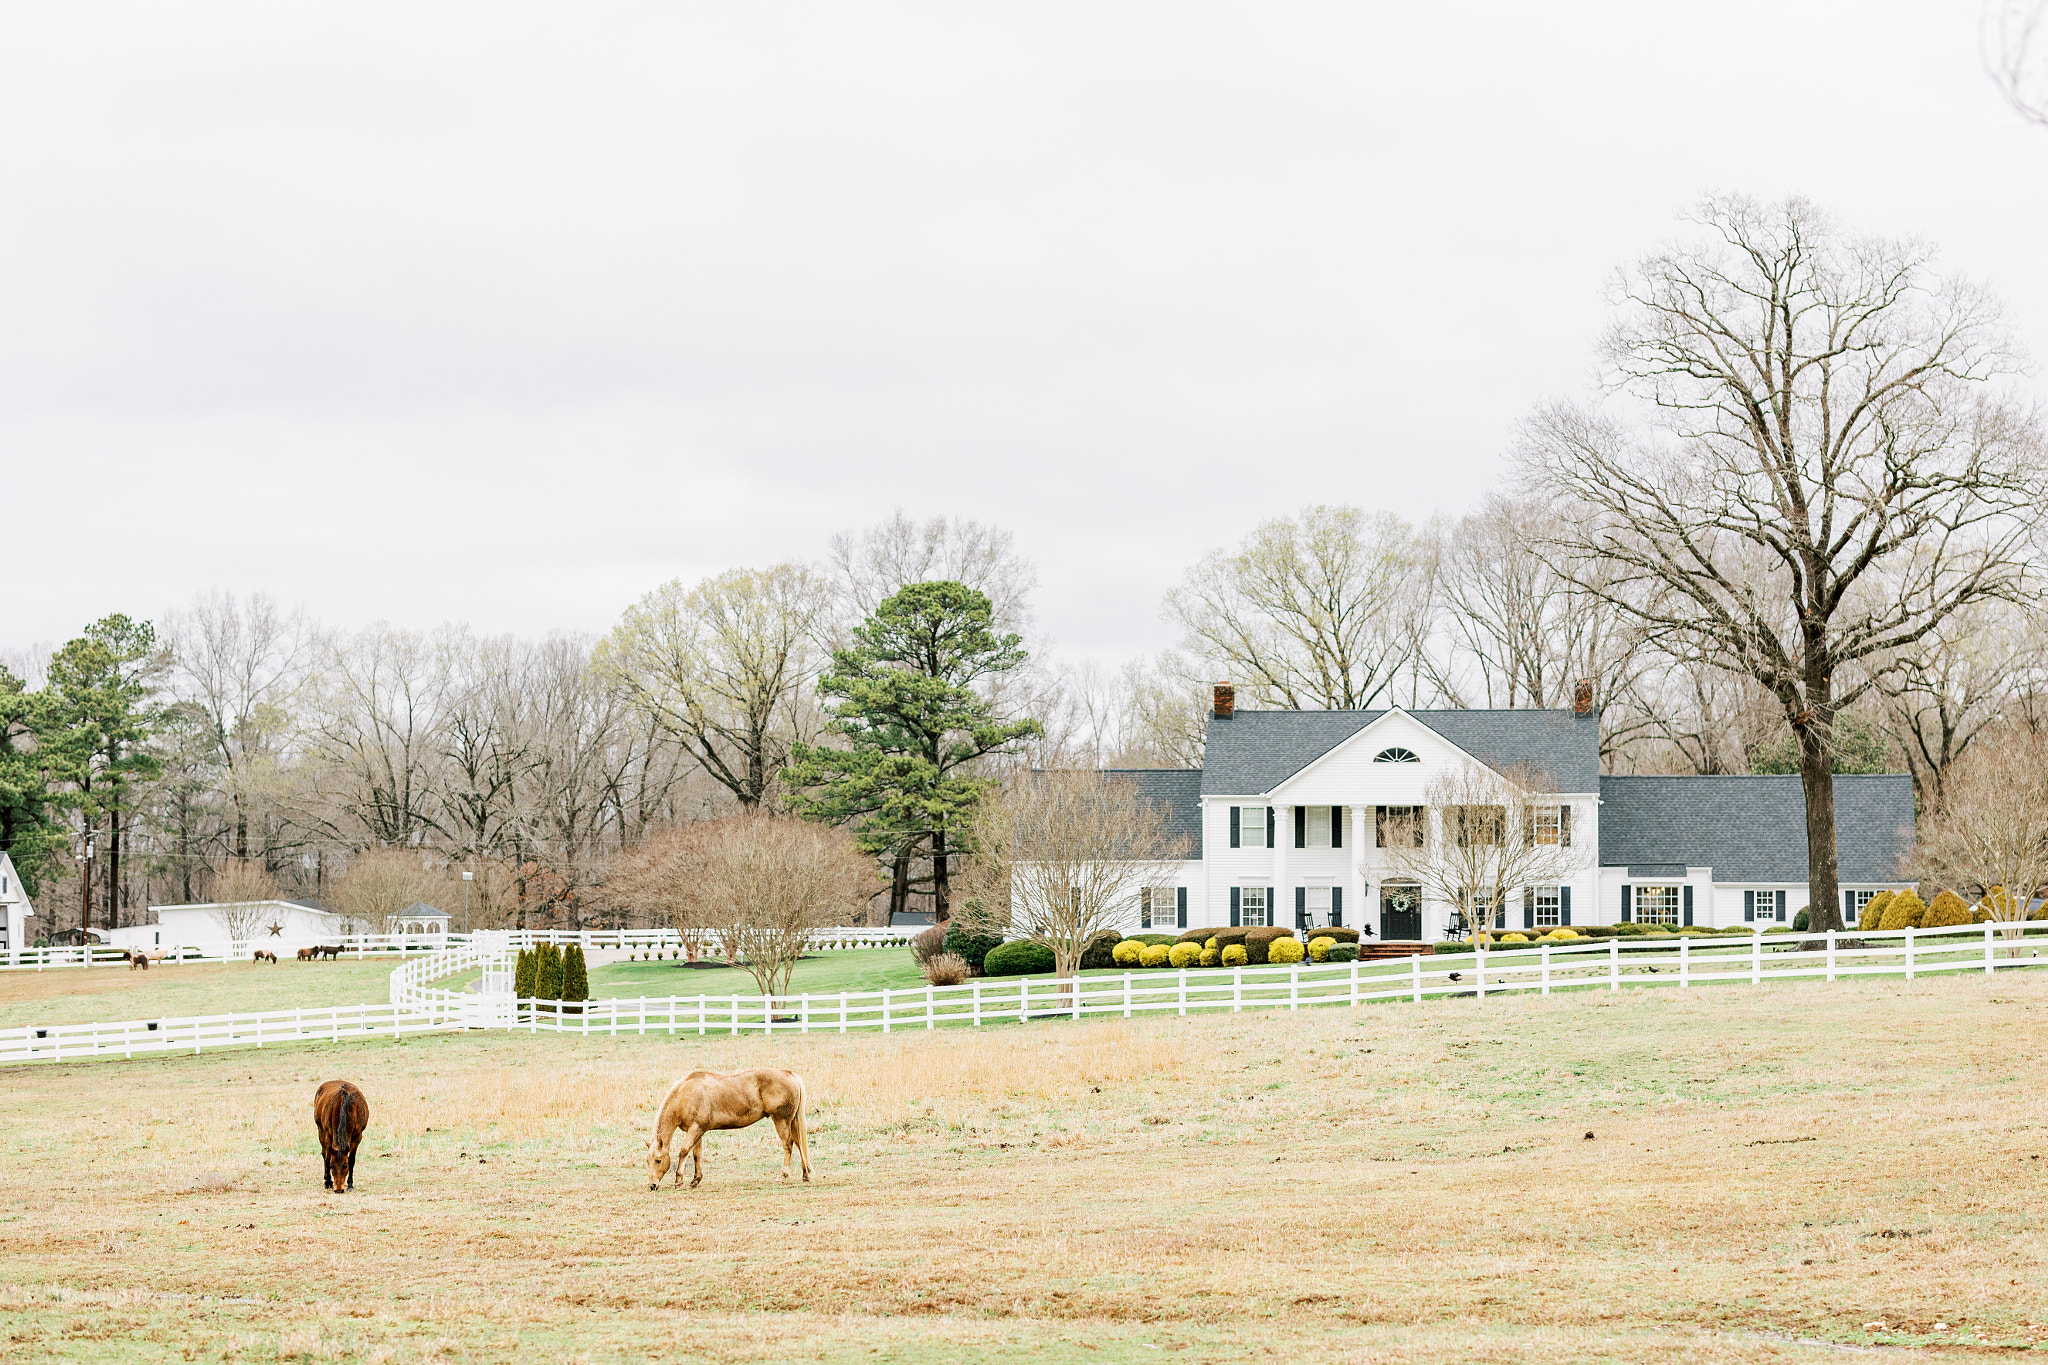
<point x="85" y="890"/>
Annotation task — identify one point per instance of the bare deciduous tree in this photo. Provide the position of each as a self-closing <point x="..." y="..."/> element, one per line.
<point x="884" y="559"/>
<point x="242" y="897"/>
<point x="1310" y="612"/>
<point x="1826" y="470"/>
<point x="1061" y="856"/>
<point x="1486" y="840"/>
<point x="723" y="667"/>
<point x="2016" y="51"/>
<point x="1990" y="835"/>
<point x="758" y="884"/>
<point x="1943" y="692"/>
<point x="382" y="884"/>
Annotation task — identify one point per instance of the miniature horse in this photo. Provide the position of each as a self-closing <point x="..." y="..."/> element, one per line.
<point x="704" y="1100"/>
<point x="340" y="1113"/>
<point x="264" y="955"/>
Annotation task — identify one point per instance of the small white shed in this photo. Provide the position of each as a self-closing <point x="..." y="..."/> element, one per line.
<point x="15" y="909"/>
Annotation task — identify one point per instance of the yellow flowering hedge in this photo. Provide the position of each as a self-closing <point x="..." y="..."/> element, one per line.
<point x="1285" y="950"/>
<point x="1235" y="955"/>
<point x="1319" y="947"/>
<point x="1154" y="955"/>
<point x="1184" y="955"/>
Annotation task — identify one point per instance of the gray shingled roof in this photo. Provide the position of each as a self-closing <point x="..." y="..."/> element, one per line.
<point x="1255" y="751"/>
<point x="1753" y="829"/>
<point x="1178" y="791"/>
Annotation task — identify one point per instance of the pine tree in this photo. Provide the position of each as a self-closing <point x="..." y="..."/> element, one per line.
<point x="27" y="831"/>
<point x="104" y="724"/>
<point x="912" y="718"/>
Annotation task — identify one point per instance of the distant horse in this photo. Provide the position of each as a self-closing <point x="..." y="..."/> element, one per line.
<point x="263" y="955"/>
<point x="308" y="954"/>
<point x="340" y="1113"/>
<point x="328" y="950"/>
<point x="138" y="960"/>
<point x="706" y="1100"/>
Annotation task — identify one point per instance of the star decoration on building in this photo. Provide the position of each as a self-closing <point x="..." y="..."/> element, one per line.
<point x="276" y="930"/>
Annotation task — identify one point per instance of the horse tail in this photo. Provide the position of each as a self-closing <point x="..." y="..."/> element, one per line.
<point x="797" y="1120"/>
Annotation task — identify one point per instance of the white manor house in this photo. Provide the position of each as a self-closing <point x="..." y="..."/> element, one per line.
<point x="1288" y="812"/>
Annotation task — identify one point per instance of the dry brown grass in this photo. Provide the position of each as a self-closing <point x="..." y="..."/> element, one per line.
<point x="1328" y="1185"/>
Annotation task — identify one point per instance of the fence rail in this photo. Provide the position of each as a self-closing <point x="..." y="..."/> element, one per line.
<point x="417" y="1006"/>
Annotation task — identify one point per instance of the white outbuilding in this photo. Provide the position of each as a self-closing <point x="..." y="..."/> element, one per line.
<point x="15" y="909"/>
<point x="257" y="924"/>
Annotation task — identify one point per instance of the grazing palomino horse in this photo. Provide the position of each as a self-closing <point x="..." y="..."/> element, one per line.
<point x="340" y="1113"/>
<point x="706" y="1100"/>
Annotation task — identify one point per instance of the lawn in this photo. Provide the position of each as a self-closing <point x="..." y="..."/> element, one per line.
<point x="1734" y="1174"/>
<point x="87" y="995"/>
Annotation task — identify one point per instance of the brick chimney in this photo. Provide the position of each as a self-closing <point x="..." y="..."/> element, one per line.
<point x="1226" y="699"/>
<point x="1582" y="697"/>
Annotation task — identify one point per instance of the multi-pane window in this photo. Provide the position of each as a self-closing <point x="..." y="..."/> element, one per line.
<point x="1394" y="825"/>
<point x="1317" y="899"/>
<point x="1315" y="827"/>
<point x="1475" y="826"/>
<point x="1857" y="900"/>
<point x="1550" y="825"/>
<point x="1549" y="907"/>
<point x="1657" y="905"/>
<point x="1251" y="827"/>
<point x="1159" y="907"/>
<point x="1253" y="909"/>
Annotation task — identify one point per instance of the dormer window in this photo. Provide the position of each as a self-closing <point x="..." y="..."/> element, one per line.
<point x="1396" y="755"/>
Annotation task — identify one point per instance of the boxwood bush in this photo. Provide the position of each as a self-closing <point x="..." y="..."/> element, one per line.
<point x="1234" y="955"/>
<point x="1335" y="931"/>
<point x="1319" y="947"/>
<point x="1212" y="957"/>
<point x="1873" y="913"/>
<point x="1018" y="959"/>
<point x="1126" y="954"/>
<point x="1947" y="911"/>
<point x="1258" y="942"/>
<point x="1284" y="951"/>
<point x="1195" y="936"/>
<point x="1182" y="954"/>
<point x="971" y="942"/>
<point x="1906" y="911"/>
<point x="1154" y="955"/>
<point x="1344" y="952"/>
<point x="1101" y="951"/>
<point x="1226" y="937"/>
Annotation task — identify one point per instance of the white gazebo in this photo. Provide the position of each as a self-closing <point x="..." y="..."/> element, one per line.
<point x="421" y="918"/>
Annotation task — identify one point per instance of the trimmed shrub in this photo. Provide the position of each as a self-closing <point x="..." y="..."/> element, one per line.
<point x="1947" y="911"/>
<point x="1183" y="955"/>
<point x="1600" y="930"/>
<point x="1223" y="938"/>
<point x="1018" y="959"/>
<point x="1101" y="950"/>
<point x="1126" y="954"/>
<point x="1563" y="931"/>
<point x="1284" y="951"/>
<point x="1319" y="947"/>
<point x="1168" y="939"/>
<point x="1906" y="911"/>
<point x="1211" y="957"/>
<point x="522" y="975"/>
<point x="1234" y="955"/>
<point x="1258" y="942"/>
<point x="575" y="975"/>
<point x="1801" y="920"/>
<point x="1210" y="942"/>
<point x="2042" y="913"/>
<point x="1630" y="930"/>
<point x="1198" y="937"/>
<point x="547" y="973"/>
<point x="927" y="944"/>
<point x="1335" y="931"/>
<point x="944" y="969"/>
<point x="971" y="942"/>
<point x="1997" y="904"/>
<point x="1344" y="952"/>
<point x="1873" y="913"/>
<point x="1512" y="936"/>
<point x="1154" y="955"/>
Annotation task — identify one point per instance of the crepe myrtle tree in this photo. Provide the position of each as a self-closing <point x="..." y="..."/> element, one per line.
<point x="242" y="893"/>
<point x="1808" y="460"/>
<point x="1486" y="839"/>
<point x="1989" y="837"/>
<point x="1061" y="856"/>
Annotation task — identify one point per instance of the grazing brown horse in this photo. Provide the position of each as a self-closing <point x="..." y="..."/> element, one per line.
<point x="136" y="959"/>
<point x="328" y="950"/>
<point x="308" y="954"/>
<point x="340" y="1113"/>
<point x="706" y="1100"/>
<point x="263" y="955"/>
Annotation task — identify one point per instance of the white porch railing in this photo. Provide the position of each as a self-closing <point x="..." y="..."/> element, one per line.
<point x="1607" y="965"/>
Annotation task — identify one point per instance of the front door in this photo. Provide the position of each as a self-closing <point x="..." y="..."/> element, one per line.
<point x="1400" y="913"/>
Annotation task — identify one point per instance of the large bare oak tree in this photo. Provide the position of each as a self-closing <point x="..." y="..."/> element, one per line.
<point x="1807" y="464"/>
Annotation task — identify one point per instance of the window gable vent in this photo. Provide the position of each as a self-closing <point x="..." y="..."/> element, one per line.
<point x="1396" y="755"/>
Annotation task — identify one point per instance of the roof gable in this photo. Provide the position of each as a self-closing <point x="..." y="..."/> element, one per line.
<point x="1253" y="752"/>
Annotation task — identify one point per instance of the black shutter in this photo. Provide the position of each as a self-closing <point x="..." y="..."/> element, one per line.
<point x="1337" y="905"/>
<point x="1234" y="810"/>
<point x="1564" y="826"/>
<point x="1379" y="826"/>
<point x="1180" y="896"/>
<point x="1301" y="826"/>
<point x="1848" y="907"/>
<point x="1300" y="904"/>
<point x="1688" y="904"/>
<point x="1336" y="827"/>
<point x="1529" y="909"/>
<point x="1269" y="831"/>
<point x="1233" y="906"/>
<point x="1564" y="905"/>
<point x="1781" y="907"/>
<point x="1626" y="897"/>
<point x="1749" y="906"/>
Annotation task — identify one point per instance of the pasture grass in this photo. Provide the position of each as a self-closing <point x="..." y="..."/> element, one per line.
<point x="1395" y="1183"/>
<point x="91" y="995"/>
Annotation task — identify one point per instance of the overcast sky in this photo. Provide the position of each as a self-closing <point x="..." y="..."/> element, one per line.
<point x="504" y="313"/>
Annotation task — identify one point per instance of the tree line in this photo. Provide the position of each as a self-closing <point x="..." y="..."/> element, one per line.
<point x="1791" y="531"/>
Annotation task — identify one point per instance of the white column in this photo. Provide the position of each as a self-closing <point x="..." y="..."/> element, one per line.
<point x="1282" y="912"/>
<point x="1355" y="913"/>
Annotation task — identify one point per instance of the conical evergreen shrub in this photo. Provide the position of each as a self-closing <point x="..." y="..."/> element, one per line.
<point x="1947" y="911"/>
<point x="575" y="976"/>
<point x="1906" y="911"/>
<point x="547" y="976"/>
<point x="522" y="975"/>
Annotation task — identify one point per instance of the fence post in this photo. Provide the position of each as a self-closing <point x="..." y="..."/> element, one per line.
<point x="1546" y="969"/>
<point x="1613" y="964"/>
<point x="1023" y="999"/>
<point x="977" y="1003"/>
<point x="1183" y="990"/>
<point x="1478" y="967"/>
<point x="842" y="1011"/>
<point x="1076" y="979"/>
<point x="1756" y="959"/>
<point x="1684" y="963"/>
<point x="931" y="1001"/>
<point x="1909" y="953"/>
<point x="1990" y="959"/>
<point x="702" y="1021"/>
<point x="803" y="1013"/>
<point x="1236" y="989"/>
<point x="1354" y="983"/>
<point x="1294" y="988"/>
<point x="1415" y="972"/>
<point x="1831" y="955"/>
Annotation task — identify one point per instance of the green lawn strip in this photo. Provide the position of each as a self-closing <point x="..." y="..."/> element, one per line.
<point x="87" y="995"/>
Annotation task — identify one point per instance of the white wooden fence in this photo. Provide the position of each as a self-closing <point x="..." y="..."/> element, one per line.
<point x="387" y="945"/>
<point x="1610" y="964"/>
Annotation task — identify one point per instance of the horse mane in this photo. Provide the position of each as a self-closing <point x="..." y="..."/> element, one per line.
<point x="341" y="1134"/>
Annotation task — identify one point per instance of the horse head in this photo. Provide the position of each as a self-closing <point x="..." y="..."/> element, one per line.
<point x="657" y="1163"/>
